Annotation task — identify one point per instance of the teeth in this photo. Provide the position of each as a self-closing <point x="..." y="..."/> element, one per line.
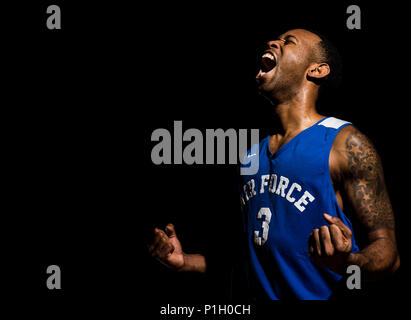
<point x="268" y="55"/>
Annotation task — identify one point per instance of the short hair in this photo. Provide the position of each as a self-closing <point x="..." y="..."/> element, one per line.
<point x="325" y="51"/>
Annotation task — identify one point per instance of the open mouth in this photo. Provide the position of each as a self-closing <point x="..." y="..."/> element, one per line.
<point x="268" y="62"/>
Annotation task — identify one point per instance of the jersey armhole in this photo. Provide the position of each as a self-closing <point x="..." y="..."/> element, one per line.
<point x="328" y="169"/>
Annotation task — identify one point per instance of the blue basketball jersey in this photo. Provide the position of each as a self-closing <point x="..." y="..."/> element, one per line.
<point x="283" y="202"/>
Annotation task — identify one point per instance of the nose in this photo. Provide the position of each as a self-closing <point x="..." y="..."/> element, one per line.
<point x="273" y="44"/>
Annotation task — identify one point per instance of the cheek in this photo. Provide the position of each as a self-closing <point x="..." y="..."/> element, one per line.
<point x="294" y="71"/>
<point x="295" y="61"/>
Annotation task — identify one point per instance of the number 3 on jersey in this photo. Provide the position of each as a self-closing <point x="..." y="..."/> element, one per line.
<point x="266" y="212"/>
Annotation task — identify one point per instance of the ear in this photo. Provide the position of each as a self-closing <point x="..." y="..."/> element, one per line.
<point x="318" y="70"/>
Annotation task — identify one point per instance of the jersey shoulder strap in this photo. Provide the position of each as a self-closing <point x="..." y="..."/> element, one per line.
<point x="332" y="122"/>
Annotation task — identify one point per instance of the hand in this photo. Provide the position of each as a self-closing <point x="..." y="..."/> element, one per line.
<point x="331" y="245"/>
<point x="166" y="248"/>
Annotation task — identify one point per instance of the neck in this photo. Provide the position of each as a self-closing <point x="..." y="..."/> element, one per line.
<point x="298" y="113"/>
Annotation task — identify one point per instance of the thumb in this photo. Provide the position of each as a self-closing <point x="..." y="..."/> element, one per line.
<point x="329" y="218"/>
<point x="170" y="230"/>
<point x="337" y="221"/>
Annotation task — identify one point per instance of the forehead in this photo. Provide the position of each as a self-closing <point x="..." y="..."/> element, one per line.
<point x="303" y="36"/>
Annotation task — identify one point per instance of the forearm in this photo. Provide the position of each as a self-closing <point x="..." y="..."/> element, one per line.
<point x="377" y="260"/>
<point x="194" y="263"/>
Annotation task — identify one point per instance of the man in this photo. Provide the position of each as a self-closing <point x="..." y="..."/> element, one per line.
<point x="299" y="239"/>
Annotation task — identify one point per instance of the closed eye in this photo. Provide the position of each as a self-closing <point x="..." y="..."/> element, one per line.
<point x="287" y="40"/>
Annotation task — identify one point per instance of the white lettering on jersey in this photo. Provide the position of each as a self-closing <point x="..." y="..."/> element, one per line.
<point x="303" y="200"/>
<point x="266" y="212"/>
<point x="264" y="182"/>
<point x="279" y="189"/>
<point x="282" y="185"/>
<point x="273" y="183"/>
<point x="251" y="188"/>
<point x="295" y="185"/>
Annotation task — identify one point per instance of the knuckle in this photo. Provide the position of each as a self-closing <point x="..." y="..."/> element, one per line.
<point x="334" y="227"/>
<point x="340" y="247"/>
<point x="158" y="233"/>
<point x="329" y="251"/>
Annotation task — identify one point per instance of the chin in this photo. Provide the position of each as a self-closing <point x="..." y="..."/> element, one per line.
<point x="264" y="92"/>
<point x="266" y="88"/>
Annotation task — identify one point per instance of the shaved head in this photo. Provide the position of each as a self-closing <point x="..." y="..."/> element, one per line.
<point x="297" y="58"/>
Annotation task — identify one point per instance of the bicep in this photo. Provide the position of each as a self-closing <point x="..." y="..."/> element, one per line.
<point x="364" y="184"/>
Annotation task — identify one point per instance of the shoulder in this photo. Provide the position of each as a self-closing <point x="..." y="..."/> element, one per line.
<point x="349" y="137"/>
<point x="353" y="152"/>
<point x="351" y="140"/>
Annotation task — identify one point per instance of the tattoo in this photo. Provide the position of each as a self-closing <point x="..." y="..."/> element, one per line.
<point x="366" y="185"/>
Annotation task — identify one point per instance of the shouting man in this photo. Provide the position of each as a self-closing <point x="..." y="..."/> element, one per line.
<point x="300" y="242"/>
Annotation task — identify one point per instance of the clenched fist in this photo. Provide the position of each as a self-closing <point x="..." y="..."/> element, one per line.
<point x="330" y="246"/>
<point x="166" y="248"/>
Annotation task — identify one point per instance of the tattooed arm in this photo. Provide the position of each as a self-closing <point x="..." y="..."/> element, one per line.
<point x="356" y="167"/>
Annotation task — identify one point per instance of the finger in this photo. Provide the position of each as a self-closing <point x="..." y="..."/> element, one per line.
<point x="159" y="238"/>
<point x="160" y="249"/>
<point x="170" y="230"/>
<point x="317" y="246"/>
<point x="311" y="243"/>
<point x="154" y="247"/>
<point x="337" y="221"/>
<point x="337" y="237"/>
<point x="164" y="249"/>
<point x="159" y="231"/>
<point x="156" y="239"/>
<point x="326" y="244"/>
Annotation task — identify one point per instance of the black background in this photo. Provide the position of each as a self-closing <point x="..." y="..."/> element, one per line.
<point x="80" y="106"/>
